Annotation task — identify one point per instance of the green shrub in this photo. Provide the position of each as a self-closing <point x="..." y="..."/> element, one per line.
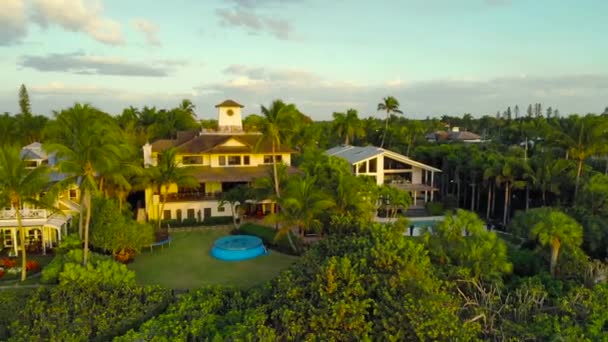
<point x="95" y="312"/>
<point x="435" y="208"/>
<point x="268" y="235"/>
<point x="107" y="272"/>
<point x="525" y="262"/>
<point x="51" y="273"/>
<point x="217" y="220"/>
<point x="12" y="301"/>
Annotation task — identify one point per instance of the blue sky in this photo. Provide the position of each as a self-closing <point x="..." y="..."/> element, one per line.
<point x="436" y="56"/>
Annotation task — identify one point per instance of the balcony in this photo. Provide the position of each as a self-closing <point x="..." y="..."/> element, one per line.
<point x="193" y="196"/>
<point x="25" y="214"/>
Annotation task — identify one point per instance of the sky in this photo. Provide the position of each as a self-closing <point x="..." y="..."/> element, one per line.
<point x="437" y="57"/>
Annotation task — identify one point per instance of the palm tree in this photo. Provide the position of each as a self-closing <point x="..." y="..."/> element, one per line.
<point x="546" y="174"/>
<point x="555" y="230"/>
<point x="236" y="198"/>
<point x="168" y="172"/>
<point x="85" y="142"/>
<point x="393" y="199"/>
<point x="348" y="125"/>
<point x="276" y="127"/>
<point x="301" y="207"/>
<point x="390" y="105"/>
<point x="19" y="186"/>
<point x="188" y="107"/>
<point x="411" y="132"/>
<point x="582" y="138"/>
<point x="509" y="176"/>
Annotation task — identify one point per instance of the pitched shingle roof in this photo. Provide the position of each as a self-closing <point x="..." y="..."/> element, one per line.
<point x="229" y="103"/>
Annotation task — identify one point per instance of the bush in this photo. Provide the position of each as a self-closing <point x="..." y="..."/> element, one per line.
<point x="268" y="235"/>
<point x="51" y="273"/>
<point x="435" y="208"/>
<point x="217" y="220"/>
<point x="107" y="272"/>
<point x="95" y="312"/>
<point x="525" y="262"/>
<point x="13" y="301"/>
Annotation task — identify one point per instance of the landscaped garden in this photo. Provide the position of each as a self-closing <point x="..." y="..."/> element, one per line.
<point x="186" y="263"/>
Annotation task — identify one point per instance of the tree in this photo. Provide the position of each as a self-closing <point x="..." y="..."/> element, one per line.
<point x="348" y="126"/>
<point x="24" y="102"/>
<point x="301" y="206"/>
<point x="390" y="105"/>
<point x="168" y="172"/>
<point x="277" y="125"/>
<point x="463" y="241"/>
<point x="557" y="230"/>
<point x="529" y="111"/>
<point x="516" y="112"/>
<point x="236" y="198"/>
<point x="582" y="138"/>
<point x="85" y="141"/>
<point x="392" y="199"/>
<point x="20" y="186"/>
<point x="510" y="177"/>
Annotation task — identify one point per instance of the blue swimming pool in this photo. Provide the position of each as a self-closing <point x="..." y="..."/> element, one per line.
<point x="238" y="247"/>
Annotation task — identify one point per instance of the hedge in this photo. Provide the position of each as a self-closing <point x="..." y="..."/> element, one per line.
<point x="268" y="234"/>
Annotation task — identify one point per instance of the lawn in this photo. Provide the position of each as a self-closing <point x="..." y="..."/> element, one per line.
<point x="186" y="263"/>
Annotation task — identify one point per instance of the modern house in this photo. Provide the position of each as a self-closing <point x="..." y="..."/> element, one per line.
<point x="391" y="168"/>
<point x="44" y="227"/>
<point x="220" y="160"/>
<point x="455" y="135"/>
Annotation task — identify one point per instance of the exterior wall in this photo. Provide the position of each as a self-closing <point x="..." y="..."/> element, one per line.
<point x="416" y="175"/>
<point x="225" y="120"/>
<point x="198" y="206"/>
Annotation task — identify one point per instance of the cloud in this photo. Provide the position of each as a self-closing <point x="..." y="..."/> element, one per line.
<point x="79" y="63"/>
<point x="246" y="14"/>
<point x="319" y="97"/>
<point x="78" y="16"/>
<point x="13" y="23"/>
<point x="148" y="28"/>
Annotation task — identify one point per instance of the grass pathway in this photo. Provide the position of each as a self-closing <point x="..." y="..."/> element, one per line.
<point x="186" y="263"/>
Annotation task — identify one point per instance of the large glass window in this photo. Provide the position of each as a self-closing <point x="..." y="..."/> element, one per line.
<point x="362" y="168"/>
<point x="222" y="160"/>
<point x="246" y="160"/>
<point x="234" y="160"/>
<point x="373" y="165"/>
<point x="268" y="159"/>
<point x="192" y="160"/>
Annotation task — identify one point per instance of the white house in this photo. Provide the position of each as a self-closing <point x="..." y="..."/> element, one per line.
<point x="44" y="228"/>
<point x="390" y="168"/>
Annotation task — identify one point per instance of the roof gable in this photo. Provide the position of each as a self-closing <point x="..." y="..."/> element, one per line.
<point x="356" y="154"/>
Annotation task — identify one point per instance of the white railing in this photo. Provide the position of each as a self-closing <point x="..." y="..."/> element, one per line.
<point x="25" y="214"/>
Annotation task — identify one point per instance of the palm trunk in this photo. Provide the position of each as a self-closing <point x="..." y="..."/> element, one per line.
<point x="478" y="199"/>
<point x="493" y="212"/>
<point x="544" y="198"/>
<point x="473" y="197"/>
<point x="506" y="208"/>
<point x="489" y="204"/>
<point x="81" y="216"/>
<point x="291" y="244"/>
<point x="555" y="245"/>
<point x="274" y="171"/>
<point x="85" y="254"/>
<point x="22" y="242"/>
<point x="527" y="198"/>
<point x="163" y="200"/>
<point x="578" y="178"/>
<point x="385" y="129"/>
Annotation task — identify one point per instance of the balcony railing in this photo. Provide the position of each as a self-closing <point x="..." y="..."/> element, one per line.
<point x="192" y="196"/>
<point x="25" y="214"/>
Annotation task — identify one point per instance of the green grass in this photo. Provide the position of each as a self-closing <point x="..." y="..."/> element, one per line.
<point x="186" y="263"/>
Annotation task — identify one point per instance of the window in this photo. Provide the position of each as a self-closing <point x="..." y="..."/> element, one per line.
<point x="373" y="165"/>
<point x="362" y="167"/>
<point x="190" y="214"/>
<point x="245" y="160"/>
<point x="73" y="194"/>
<point x="30" y="163"/>
<point x="234" y="160"/>
<point x="222" y="160"/>
<point x="167" y="215"/>
<point x="221" y="209"/>
<point x="192" y="160"/>
<point x="268" y="159"/>
<point x="178" y="213"/>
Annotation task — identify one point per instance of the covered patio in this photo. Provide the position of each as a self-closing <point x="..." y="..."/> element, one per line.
<point x="42" y="232"/>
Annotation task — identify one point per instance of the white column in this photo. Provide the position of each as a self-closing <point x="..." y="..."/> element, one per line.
<point x="42" y="230"/>
<point x="414" y="198"/>
<point x="14" y="236"/>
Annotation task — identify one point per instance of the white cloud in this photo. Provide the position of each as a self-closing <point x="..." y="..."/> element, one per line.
<point x="78" y="16"/>
<point x="13" y="23"/>
<point x="80" y="63"/>
<point x="148" y="28"/>
<point x="247" y="15"/>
